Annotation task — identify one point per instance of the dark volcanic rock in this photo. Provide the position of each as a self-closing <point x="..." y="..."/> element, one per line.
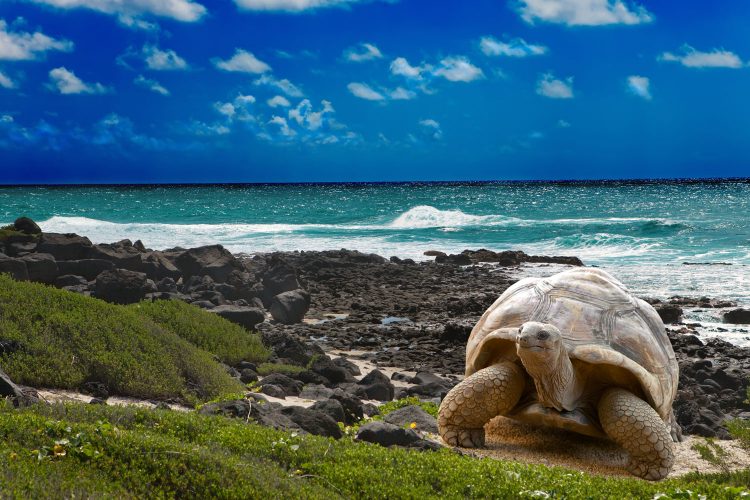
<point x="41" y="267"/>
<point x="737" y="316"/>
<point x="213" y="260"/>
<point x="158" y="267"/>
<point x="280" y="278"/>
<point x="122" y="254"/>
<point x="312" y="421"/>
<point x="290" y="386"/>
<point x="290" y="307"/>
<point x="377" y="386"/>
<point x="505" y="258"/>
<point x="332" y="408"/>
<point x="70" y="280"/>
<point x="323" y="365"/>
<point x="413" y="414"/>
<point x="27" y="226"/>
<point x="386" y="434"/>
<point x="669" y="313"/>
<point x="249" y="317"/>
<point x="15" y="267"/>
<point x="121" y="286"/>
<point x="88" y="268"/>
<point x="274" y="391"/>
<point x="65" y="246"/>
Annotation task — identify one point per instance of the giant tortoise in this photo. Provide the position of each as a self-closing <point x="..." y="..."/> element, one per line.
<point x="575" y="351"/>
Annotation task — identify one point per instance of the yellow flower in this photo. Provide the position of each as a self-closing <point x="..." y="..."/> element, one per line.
<point x="413" y="425"/>
<point x="59" y="450"/>
<point x="13" y="456"/>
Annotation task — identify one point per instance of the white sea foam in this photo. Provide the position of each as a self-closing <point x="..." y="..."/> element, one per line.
<point x="425" y="216"/>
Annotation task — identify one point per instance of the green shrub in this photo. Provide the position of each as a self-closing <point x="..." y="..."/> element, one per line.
<point x="155" y="453"/>
<point x="392" y="406"/>
<point x="269" y="368"/>
<point x="68" y="339"/>
<point x="212" y="333"/>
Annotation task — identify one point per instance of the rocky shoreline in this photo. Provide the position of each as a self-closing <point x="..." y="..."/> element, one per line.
<point x="412" y="316"/>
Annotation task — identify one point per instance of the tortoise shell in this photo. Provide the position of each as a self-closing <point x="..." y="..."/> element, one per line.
<point x="602" y="324"/>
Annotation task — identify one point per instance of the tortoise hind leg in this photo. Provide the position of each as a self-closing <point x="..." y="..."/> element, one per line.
<point x="634" y="425"/>
<point x="492" y="391"/>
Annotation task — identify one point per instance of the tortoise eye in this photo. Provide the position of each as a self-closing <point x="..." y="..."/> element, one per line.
<point x="543" y="335"/>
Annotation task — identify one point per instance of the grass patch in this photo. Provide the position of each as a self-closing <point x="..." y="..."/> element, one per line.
<point x="713" y="453"/>
<point x="131" y="452"/>
<point x="68" y="339"/>
<point x="392" y="406"/>
<point x="212" y="333"/>
<point x="740" y="430"/>
<point x="269" y="368"/>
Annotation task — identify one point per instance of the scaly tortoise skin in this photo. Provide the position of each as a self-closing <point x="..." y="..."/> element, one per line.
<point x="575" y="351"/>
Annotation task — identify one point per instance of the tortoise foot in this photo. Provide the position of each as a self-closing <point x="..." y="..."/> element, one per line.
<point x="466" y="438"/>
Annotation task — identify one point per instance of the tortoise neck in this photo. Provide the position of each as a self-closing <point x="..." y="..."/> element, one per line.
<point x="556" y="382"/>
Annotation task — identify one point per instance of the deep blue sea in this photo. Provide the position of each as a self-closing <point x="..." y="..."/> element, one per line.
<point x="641" y="232"/>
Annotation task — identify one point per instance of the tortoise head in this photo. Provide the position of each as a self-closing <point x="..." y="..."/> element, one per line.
<point x="539" y="345"/>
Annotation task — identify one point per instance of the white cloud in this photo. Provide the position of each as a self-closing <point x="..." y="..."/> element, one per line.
<point x="431" y="129"/>
<point x="128" y="10"/>
<point x="305" y="117"/>
<point x="238" y="109"/>
<point x="563" y="124"/>
<point x="279" y="101"/>
<point x="6" y="82"/>
<point x="284" y="85"/>
<point x="549" y="86"/>
<point x="402" y="94"/>
<point x="640" y="86"/>
<point x="284" y="128"/>
<point x="691" y="58"/>
<point x="243" y="62"/>
<point x="364" y="91"/>
<point x="163" y="60"/>
<point x="20" y="46"/>
<point x="518" y="47"/>
<point x="294" y="6"/>
<point x="151" y="85"/>
<point x="401" y="67"/>
<point x="458" y="69"/>
<point x="362" y="52"/>
<point x="66" y="82"/>
<point x="583" y="12"/>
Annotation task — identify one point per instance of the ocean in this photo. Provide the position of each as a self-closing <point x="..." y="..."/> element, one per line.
<point x="659" y="238"/>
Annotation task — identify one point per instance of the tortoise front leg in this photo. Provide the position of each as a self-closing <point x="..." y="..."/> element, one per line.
<point x="634" y="425"/>
<point x="492" y="391"/>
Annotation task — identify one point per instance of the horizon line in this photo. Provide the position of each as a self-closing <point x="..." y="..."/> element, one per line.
<point x="652" y="180"/>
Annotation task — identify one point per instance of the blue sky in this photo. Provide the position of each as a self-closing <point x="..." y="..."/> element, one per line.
<point x="347" y="90"/>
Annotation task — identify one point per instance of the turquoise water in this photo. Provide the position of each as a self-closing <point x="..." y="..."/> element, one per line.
<point x="643" y="233"/>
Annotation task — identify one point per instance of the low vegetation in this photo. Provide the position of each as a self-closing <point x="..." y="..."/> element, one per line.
<point x="63" y="340"/>
<point x="269" y="368"/>
<point x="228" y="341"/>
<point x="84" y="450"/>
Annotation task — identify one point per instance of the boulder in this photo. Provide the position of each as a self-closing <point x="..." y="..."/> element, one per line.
<point x="323" y="365"/>
<point x="158" y="267"/>
<point x="122" y="254"/>
<point x="280" y="278"/>
<point x="121" y="286"/>
<point x="41" y="267"/>
<point x="15" y="267"/>
<point x="386" y="434"/>
<point x="88" y="268"/>
<point x="27" y="226"/>
<point x="65" y="246"/>
<point x="412" y="414"/>
<point x="274" y="391"/>
<point x="213" y="260"/>
<point x="353" y="407"/>
<point x="312" y="421"/>
<point x="248" y="376"/>
<point x="332" y="408"/>
<point x="669" y="313"/>
<point x="737" y="316"/>
<point x="316" y="392"/>
<point x="347" y="365"/>
<point x="376" y="385"/>
<point x="70" y="280"/>
<point x="15" y="244"/>
<point x="249" y="317"/>
<point x="290" y="307"/>
<point x="290" y="386"/>
<point x="429" y="390"/>
<point x="423" y="377"/>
